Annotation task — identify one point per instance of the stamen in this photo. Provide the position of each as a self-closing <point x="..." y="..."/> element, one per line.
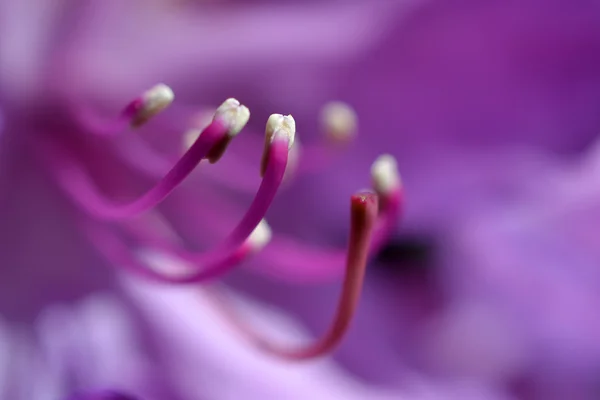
<point x="234" y="174"/>
<point x="339" y="126"/>
<point x="279" y="127"/>
<point x="150" y="103"/>
<point x="79" y="185"/>
<point x="384" y="175"/>
<point x="151" y="162"/>
<point x="234" y="116"/>
<point x="339" y="122"/>
<point x="228" y="253"/>
<point x="363" y="212"/>
<point x="291" y="259"/>
<point x="388" y="185"/>
<point x="273" y="177"/>
<point x="135" y="114"/>
<point x="151" y="263"/>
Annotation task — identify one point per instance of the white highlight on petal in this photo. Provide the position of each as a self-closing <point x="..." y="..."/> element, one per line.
<point x="203" y="337"/>
<point x="189" y="137"/>
<point x="280" y="124"/>
<point x="339" y="121"/>
<point x="260" y="236"/>
<point x="6" y="351"/>
<point x="234" y="114"/>
<point x="384" y="174"/>
<point x="198" y="124"/>
<point x="55" y="331"/>
<point x="108" y="337"/>
<point x="155" y="100"/>
<point x="164" y="263"/>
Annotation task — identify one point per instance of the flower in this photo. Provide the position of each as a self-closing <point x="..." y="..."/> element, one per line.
<point x="69" y="171"/>
<point x="425" y="80"/>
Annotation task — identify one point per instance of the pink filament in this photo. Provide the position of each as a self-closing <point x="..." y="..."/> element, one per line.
<point x="363" y="215"/>
<point x="118" y="254"/>
<point x="233" y="172"/>
<point x="298" y="261"/>
<point x="210" y="264"/>
<point x="278" y="155"/>
<point x="313" y="158"/>
<point x="391" y="206"/>
<point x="78" y="184"/>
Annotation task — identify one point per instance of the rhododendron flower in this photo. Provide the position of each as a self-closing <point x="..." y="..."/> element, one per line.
<point x="83" y="194"/>
<point x="122" y="196"/>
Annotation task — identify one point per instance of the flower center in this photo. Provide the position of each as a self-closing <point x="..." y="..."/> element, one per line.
<point x="97" y="163"/>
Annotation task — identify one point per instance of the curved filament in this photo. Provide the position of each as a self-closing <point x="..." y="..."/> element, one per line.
<point x="77" y="183"/>
<point x="256" y="212"/>
<point x="362" y="222"/>
<point x="291" y="259"/>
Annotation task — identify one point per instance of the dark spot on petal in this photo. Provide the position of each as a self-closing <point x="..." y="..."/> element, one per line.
<point x="407" y="254"/>
<point x="104" y="395"/>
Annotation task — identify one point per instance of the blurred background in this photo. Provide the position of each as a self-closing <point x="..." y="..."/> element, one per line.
<point x="487" y="287"/>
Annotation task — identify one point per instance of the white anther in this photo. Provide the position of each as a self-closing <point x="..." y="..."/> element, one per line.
<point x="154" y="100"/>
<point x="278" y="124"/>
<point x="260" y="236"/>
<point x="234" y="114"/>
<point x="339" y="121"/>
<point x="384" y="174"/>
